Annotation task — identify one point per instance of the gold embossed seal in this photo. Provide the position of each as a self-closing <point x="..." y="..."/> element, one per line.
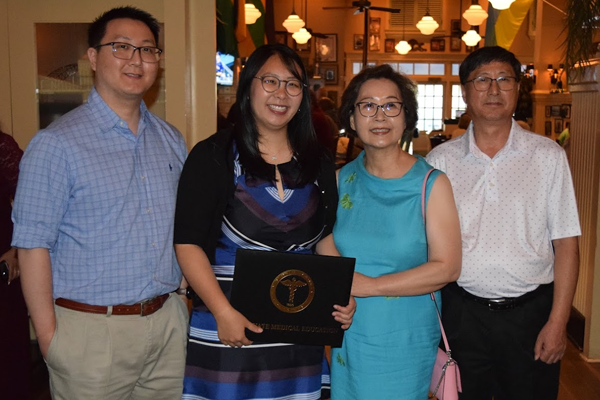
<point x="293" y="279"/>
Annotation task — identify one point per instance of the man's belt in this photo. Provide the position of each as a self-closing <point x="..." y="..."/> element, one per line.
<point x="503" y="303"/>
<point x="143" y="308"/>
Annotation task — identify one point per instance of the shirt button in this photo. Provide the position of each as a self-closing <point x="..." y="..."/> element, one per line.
<point x="153" y="244"/>
<point x="143" y="177"/>
<point x="148" y="210"/>
<point x="491" y="184"/>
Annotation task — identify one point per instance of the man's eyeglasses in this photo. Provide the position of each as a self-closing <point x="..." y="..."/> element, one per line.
<point x="293" y="87"/>
<point x="125" y="51"/>
<point x="483" y="83"/>
<point x="369" y="109"/>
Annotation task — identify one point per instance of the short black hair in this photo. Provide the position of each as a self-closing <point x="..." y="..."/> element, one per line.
<point x="97" y="29"/>
<point x="407" y="88"/>
<point x="300" y="130"/>
<point x="487" y="55"/>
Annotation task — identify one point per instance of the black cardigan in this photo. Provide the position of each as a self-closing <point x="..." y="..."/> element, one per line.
<point x="207" y="185"/>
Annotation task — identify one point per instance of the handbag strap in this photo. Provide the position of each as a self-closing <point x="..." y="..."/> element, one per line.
<point x="423" y="189"/>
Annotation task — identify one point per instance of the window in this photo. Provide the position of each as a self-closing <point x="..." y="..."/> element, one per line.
<point x="458" y="105"/>
<point x="431" y="106"/>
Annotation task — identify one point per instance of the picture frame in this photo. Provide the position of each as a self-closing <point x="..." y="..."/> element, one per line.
<point x="281" y="37"/>
<point x="548" y="128"/>
<point x="302" y="47"/>
<point x="567" y="125"/>
<point x="455" y="43"/>
<point x="548" y="112"/>
<point x="565" y="111"/>
<point x="358" y="41"/>
<point x="455" y="27"/>
<point x="374" y="33"/>
<point x="437" y="44"/>
<point x="558" y="125"/>
<point x="555" y="111"/>
<point x="389" y="45"/>
<point x="326" y="48"/>
<point x="330" y="74"/>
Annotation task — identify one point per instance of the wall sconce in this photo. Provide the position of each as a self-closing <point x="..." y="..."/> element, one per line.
<point x="529" y="73"/>
<point x="556" y="77"/>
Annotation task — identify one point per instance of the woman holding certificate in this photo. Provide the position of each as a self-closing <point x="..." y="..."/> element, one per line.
<point x="263" y="184"/>
<point x="390" y="349"/>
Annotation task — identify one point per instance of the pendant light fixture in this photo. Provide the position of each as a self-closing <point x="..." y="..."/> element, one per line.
<point x="403" y="47"/>
<point x="252" y="13"/>
<point x="293" y="22"/>
<point x="501" y="4"/>
<point x="471" y="37"/>
<point x="302" y="36"/>
<point x="475" y="15"/>
<point x="427" y="25"/>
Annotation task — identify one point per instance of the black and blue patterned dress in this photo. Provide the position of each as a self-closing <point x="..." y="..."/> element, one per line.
<point x="257" y="218"/>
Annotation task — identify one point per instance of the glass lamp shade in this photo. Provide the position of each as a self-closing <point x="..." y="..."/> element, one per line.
<point x="475" y="15"/>
<point x="293" y="23"/>
<point x="471" y="38"/>
<point x="403" y="47"/>
<point x="252" y="13"/>
<point x="302" y="36"/>
<point x="501" y="4"/>
<point x="427" y="25"/>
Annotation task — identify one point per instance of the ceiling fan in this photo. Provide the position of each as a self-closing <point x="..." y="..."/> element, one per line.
<point x="363" y="6"/>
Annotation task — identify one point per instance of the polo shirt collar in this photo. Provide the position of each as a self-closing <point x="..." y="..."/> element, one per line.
<point x="512" y="145"/>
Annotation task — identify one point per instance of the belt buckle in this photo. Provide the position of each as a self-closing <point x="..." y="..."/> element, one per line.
<point x="143" y="304"/>
<point x="500" y="304"/>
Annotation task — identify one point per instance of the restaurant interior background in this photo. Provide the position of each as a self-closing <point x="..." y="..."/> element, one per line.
<point x="44" y="72"/>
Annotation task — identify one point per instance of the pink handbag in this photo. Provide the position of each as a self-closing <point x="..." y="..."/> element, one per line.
<point x="445" y="380"/>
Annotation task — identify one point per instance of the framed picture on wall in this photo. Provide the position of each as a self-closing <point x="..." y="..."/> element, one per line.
<point x="438" y="44"/>
<point x="555" y="111"/>
<point x="548" y="128"/>
<point x="565" y="111"/>
<point x="389" y="45"/>
<point x="374" y="33"/>
<point x="455" y="26"/>
<point x="548" y="112"/>
<point x="281" y="37"/>
<point x="327" y="48"/>
<point x="330" y="74"/>
<point x="558" y="125"/>
<point x="455" y="43"/>
<point x="358" y="41"/>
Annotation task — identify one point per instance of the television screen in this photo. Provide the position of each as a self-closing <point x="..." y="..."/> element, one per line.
<point x="224" y="69"/>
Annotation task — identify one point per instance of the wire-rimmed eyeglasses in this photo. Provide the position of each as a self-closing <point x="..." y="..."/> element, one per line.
<point x="483" y="83"/>
<point x="125" y="51"/>
<point x="270" y="84"/>
<point x="369" y="109"/>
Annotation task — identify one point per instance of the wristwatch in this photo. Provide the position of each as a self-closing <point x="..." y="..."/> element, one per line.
<point x="186" y="291"/>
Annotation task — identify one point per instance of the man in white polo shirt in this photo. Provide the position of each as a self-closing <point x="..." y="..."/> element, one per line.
<point x="507" y="314"/>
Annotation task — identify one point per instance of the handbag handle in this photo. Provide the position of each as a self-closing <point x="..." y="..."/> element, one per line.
<point x="423" y="189"/>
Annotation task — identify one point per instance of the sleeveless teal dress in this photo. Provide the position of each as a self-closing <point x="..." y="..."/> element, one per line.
<point x="390" y="348"/>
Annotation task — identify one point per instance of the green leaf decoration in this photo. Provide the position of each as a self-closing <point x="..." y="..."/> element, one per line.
<point x="340" y="360"/>
<point x="351" y="177"/>
<point x="345" y="201"/>
<point x="391" y="297"/>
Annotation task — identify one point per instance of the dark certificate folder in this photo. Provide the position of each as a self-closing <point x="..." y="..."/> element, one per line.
<point x="291" y="296"/>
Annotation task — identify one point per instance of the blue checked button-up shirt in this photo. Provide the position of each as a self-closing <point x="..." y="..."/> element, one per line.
<point x="102" y="200"/>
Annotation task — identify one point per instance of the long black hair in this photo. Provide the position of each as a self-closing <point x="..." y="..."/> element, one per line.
<point x="300" y="130"/>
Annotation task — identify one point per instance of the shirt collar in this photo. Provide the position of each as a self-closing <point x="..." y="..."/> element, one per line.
<point x="512" y="145"/>
<point x="105" y="118"/>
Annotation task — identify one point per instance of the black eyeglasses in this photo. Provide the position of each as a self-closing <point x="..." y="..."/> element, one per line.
<point x="483" y="83"/>
<point x="369" y="109"/>
<point x="125" y="51"/>
<point x="293" y="87"/>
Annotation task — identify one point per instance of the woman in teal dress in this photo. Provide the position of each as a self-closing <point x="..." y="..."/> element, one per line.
<point x="389" y="351"/>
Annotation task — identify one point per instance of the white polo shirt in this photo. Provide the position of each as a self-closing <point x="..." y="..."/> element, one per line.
<point x="511" y="207"/>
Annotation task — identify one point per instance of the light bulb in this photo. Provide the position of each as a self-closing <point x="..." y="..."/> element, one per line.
<point x="475" y="15"/>
<point x="252" y="13"/>
<point x="427" y="25"/>
<point x="293" y="23"/>
<point x="403" y="47"/>
<point x="302" y="36"/>
<point x="501" y="4"/>
<point x="471" y="38"/>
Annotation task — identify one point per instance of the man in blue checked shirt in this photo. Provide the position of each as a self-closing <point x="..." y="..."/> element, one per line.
<point x="93" y="220"/>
